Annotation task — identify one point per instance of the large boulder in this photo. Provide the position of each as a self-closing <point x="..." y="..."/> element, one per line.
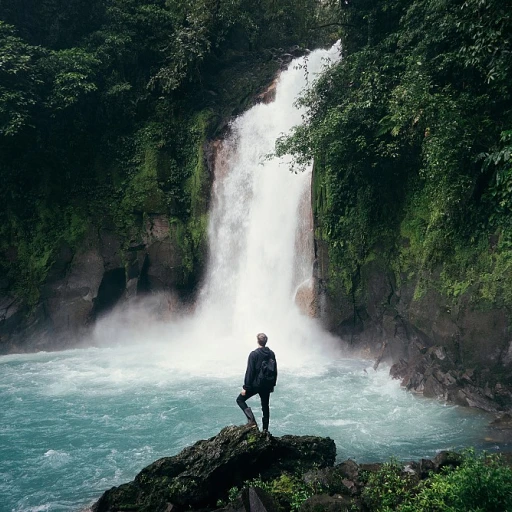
<point x="72" y="286"/>
<point x="202" y="474"/>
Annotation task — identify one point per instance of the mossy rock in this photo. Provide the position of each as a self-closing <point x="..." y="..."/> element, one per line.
<point x="202" y="474"/>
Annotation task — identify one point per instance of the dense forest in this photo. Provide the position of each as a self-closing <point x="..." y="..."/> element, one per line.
<point x="105" y="107"/>
<point x="108" y="110"/>
<point x="412" y="139"/>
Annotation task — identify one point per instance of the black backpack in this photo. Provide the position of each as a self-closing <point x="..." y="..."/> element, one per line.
<point x="267" y="374"/>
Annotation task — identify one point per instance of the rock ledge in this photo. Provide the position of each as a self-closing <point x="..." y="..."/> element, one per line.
<point x="203" y="473"/>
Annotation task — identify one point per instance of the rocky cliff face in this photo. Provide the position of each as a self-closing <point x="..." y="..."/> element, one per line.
<point x="458" y="351"/>
<point x="103" y="271"/>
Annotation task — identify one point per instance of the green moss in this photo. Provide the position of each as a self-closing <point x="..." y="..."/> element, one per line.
<point x="290" y="491"/>
<point x="424" y="252"/>
<point x="197" y="188"/>
<point x="177" y="487"/>
<point x="251" y="439"/>
<point x="319" y="191"/>
<point x="34" y="243"/>
<point x="197" y="185"/>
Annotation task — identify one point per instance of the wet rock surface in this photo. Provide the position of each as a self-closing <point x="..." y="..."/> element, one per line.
<point x="456" y="352"/>
<point x="203" y="473"/>
<point x="218" y="474"/>
<point x="500" y="431"/>
<point x="435" y="375"/>
<point x="88" y="281"/>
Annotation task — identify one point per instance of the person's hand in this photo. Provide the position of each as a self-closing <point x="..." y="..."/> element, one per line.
<point x="242" y="392"/>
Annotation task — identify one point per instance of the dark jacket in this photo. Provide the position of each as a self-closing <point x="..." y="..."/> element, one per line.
<point x="256" y="357"/>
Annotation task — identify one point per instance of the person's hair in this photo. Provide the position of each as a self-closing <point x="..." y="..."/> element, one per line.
<point x="262" y="339"/>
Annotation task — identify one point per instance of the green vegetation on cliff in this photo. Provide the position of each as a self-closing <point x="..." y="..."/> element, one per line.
<point x="474" y="483"/>
<point x="411" y="134"/>
<point x="105" y="107"/>
<point x="463" y="482"/>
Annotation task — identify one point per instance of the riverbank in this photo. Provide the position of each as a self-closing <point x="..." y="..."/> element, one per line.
<point x="243" y="469"/>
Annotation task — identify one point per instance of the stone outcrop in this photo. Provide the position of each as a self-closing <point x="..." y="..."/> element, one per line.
<point x="436" y="375"/>
<point x="218" y="474"/>
<point x="457" y="352"/>
<point x="202" y="474"/>
<point x="83" y="284"/>
<point x="253" y="499"/>
<point x="163" y="254"/>
<point x="306" y="299"/>
<point x="73" y="284"/>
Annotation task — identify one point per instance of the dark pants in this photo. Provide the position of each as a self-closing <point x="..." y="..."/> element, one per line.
<point x="265" y="399"/>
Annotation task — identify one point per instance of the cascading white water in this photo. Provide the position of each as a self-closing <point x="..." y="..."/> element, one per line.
<point x="260" y="253"/>
<point x="260" y="223"/>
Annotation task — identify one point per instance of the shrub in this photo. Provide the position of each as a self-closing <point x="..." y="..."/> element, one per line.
<point x="482" y="483"/>
<point x="289" y="491"/>
<point x="387" y="488"/>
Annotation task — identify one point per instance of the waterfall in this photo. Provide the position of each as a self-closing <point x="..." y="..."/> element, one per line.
<point x="261" y="253"/>
<point x="260" y="232"/>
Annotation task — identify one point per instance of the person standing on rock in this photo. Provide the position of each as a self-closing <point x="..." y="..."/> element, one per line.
<point x="260" y="379"/>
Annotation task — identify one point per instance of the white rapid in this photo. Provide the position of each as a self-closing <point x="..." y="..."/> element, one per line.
<point x="260" y="233"/>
